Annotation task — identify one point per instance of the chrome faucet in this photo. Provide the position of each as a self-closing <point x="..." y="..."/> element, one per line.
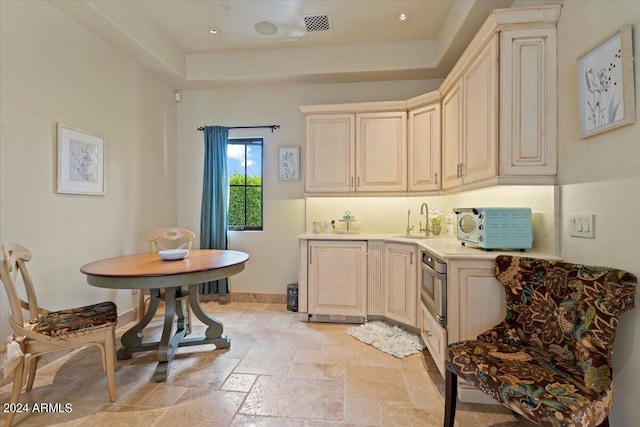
<point x="409" y="228"/>
<point x="424" y="209"/>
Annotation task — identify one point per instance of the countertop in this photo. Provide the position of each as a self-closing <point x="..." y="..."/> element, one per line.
<point x="442" y="247"/>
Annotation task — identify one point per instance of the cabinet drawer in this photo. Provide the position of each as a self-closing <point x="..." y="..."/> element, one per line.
<point x="435" y="337"/>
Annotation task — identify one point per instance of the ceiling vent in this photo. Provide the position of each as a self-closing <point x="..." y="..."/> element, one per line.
<point x="315" y="23"/>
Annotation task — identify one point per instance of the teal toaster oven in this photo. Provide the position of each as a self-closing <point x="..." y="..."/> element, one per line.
<point x="495" y="228"/>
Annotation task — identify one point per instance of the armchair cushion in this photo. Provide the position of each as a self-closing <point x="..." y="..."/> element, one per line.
<point x="75" y="321"/>
<point x="531" y="382"/>
<point x="551" y="358"/>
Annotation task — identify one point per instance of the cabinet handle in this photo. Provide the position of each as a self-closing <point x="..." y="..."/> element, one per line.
<point x="461" y="172"/>
<point x="358" y="182"/>
<point x="458" y="170"/>
<point x="436" y="177"/>
<point x="411" y="258"/>
<point x="428" y="333"/>
<point x="310" y="257"/>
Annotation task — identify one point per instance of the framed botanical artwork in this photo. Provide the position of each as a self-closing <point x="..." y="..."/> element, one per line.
<point x="605" y="84"/>
<point x="81" y="160"/>
<point x="289" y="163"/>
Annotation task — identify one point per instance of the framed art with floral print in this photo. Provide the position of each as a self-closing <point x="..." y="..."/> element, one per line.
<point x="81" y="160"/>
<point x="289" y="160"/>
<point x="605" y="84"/>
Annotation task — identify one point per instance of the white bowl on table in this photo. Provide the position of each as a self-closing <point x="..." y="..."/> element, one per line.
<point x="173" y="254"/>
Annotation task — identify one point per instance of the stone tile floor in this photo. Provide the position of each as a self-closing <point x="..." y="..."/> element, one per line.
<point x="278" y="372"/>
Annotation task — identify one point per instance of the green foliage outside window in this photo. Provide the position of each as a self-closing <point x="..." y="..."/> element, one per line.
<point x="245" y="200"/>
<point x="244" y="165"/>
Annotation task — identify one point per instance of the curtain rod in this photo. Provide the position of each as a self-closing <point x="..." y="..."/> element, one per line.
<point x="272" y="127"/>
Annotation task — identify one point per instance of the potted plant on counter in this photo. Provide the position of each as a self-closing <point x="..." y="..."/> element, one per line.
<point x="435" y="219"/>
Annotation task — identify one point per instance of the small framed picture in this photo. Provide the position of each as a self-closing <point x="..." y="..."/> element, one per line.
<point x="81" y="160"/>
<point x="605" y="84"/>
<point x="289" y="163"/>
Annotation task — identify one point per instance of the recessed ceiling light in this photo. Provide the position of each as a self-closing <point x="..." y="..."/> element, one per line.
<point x="266" y="28"/>
<point x="213" y="30"/>
<point x="403" y="17"/>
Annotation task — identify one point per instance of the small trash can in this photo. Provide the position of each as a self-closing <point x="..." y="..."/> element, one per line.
<point x="292" y="297"/>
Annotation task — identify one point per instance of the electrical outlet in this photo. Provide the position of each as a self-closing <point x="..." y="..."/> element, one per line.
<point x="581" y="225"/>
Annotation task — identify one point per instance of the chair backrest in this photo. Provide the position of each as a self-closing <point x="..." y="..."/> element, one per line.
<point x="170" y="238"/>
<point x="569" y="310"/>
<point x="14" y="261"/>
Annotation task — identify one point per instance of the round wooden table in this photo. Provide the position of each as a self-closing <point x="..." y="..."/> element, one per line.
<point x="165" y="280"/>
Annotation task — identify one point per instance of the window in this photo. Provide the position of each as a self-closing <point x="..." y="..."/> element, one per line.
<point x="244" y="169"/>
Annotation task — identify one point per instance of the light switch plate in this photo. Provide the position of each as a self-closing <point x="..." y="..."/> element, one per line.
<point x="581" y="225"/>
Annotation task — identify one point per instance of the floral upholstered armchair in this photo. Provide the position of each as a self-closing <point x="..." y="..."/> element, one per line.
<point x="550" y="360"/>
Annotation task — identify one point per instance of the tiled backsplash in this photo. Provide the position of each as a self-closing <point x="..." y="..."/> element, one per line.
<point x="389" y="214"/>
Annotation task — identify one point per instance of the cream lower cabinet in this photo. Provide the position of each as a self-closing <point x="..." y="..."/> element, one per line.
<point x="475" y="303"/>
<point x="337" y="280"/>
<point x="434" y="337"/>
<point x="400" y="283"/>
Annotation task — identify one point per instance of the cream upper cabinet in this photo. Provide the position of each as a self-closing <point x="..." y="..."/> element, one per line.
<point x="508" y="79"/>
<point x="452" y="137"/>
<point x="329" y="165"/>
<point x="480" y="116"/>
<point x="424" y="148"/>
<point x="498" y="121"/>
<point x="470" y="144"/>
<point x="400" y="283"/>
<point x="528" y="103"/>
<point x="337" y="278"/>
<point x="363" y="152"/>
<point x="381" y="151"/>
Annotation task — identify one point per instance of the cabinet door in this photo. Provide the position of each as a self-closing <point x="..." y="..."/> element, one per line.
<point x="381" y="151"/>
<point x="329" y="152"/>
<point x="528" y="102"/>
<point x="424" y="148"/>
<point x="475" y="301"/>
<point x="337" y="278"/>
<point x="401" y="287"/>
<point x="452" y="137"/>
<point x="435" y="338"/>
<point x="480" y="100"/>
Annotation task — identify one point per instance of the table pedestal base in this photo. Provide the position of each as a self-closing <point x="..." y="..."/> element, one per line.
<point x="170" y="340"/>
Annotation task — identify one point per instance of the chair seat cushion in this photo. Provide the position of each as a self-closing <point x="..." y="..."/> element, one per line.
<point x="76" y="321"/>
<point x="530" y="381"/>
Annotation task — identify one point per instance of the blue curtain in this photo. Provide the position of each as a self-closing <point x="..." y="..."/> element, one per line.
<point x="213" y="216"/>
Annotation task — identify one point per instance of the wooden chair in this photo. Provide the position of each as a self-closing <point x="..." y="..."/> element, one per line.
<point x="46" y="331"/>
<point x="550" y="360"/>
<point x="168" y="238"/>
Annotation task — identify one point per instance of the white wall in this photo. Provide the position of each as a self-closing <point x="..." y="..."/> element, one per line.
<point x="601" y="175"/>
<point x="53" y="70"/>
<point x="274" y="251"/>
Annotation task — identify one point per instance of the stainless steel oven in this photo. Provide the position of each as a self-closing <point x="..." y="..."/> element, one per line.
<point x="433" y="286"/>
